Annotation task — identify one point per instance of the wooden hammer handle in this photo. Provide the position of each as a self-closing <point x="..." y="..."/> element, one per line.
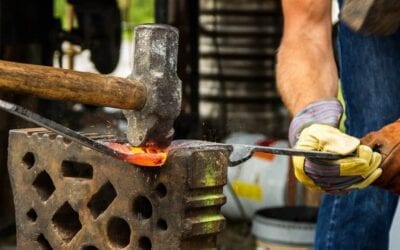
<point x="67" y="85"/>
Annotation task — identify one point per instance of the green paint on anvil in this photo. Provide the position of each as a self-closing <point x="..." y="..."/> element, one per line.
<point x="211" y="172"/>
<point x="209" y="200"/>
<point x="208" y="170"/>
<point x="211" y="223"/>
<point x="209" y="175"/>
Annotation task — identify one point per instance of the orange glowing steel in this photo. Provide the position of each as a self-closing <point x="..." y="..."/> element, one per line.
<point x="142" y="156"/>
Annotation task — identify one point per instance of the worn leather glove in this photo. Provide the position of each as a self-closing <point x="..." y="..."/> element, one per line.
<point x="387" y="142"/>
<point x="334" y="176"/>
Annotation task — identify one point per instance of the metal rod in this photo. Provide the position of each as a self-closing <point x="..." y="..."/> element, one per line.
<point x="58" y="128"/>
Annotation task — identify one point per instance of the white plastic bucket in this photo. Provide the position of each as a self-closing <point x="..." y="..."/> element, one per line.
<point x="285" y="228"/>
<point x="257" y="183"/>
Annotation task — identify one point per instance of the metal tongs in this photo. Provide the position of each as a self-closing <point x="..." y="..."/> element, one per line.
<point x="238" y="152"/>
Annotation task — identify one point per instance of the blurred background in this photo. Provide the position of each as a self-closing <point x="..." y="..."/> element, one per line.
<point x="226" y="63"/>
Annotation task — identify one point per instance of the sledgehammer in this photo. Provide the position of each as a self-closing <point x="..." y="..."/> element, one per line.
<point x="150" y="96"/>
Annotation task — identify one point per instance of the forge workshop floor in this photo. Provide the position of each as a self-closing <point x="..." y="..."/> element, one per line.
<point x="236" y="236"/>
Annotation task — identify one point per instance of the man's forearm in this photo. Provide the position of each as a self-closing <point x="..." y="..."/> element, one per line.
<point x="305" y="74"/>
<point x="306" y="69"/>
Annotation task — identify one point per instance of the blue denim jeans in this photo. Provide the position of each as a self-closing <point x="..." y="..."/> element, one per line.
<point x="370" y="76"/>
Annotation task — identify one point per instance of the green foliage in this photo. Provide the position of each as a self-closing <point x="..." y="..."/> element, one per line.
<point x="133" y="12"/>
<point x="59" y="10"/>
<point x="142" y="11"/>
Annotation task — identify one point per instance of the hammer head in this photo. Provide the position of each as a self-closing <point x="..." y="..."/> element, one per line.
<point x="155" y="65"/>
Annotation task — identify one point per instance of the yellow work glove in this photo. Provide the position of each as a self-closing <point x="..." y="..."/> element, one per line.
<point x="356" y="171"/>
<point x="314" y="128"/>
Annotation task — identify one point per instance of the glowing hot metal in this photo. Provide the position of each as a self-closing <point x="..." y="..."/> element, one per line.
<point x="141" y="156"/>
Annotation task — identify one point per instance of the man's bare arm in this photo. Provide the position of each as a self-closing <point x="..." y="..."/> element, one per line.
<point x="306" y="69"/>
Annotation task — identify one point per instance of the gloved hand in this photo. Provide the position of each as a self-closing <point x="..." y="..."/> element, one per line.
<point x="335" y="176"/>
<point x="387" y="142"/>
<point x="314" y="129"/>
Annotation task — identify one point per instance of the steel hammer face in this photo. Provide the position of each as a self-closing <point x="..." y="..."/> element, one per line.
<point x="155" y="65"/>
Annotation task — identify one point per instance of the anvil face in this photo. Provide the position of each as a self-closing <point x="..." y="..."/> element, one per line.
<point x="70" y="197"/>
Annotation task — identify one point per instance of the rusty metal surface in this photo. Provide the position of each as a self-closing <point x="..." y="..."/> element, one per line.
<point x="70" y="197"/>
